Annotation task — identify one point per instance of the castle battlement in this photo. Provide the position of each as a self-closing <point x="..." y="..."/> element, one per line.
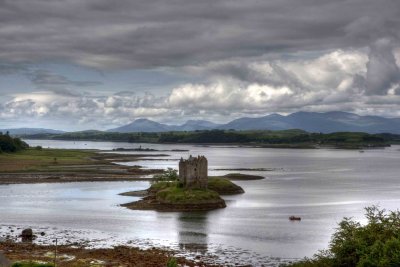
<point x="193" y="172"/>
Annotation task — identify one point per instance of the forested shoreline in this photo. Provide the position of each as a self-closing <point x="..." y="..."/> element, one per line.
<point x="9" y="144"/>
<point x="287" y="138"/>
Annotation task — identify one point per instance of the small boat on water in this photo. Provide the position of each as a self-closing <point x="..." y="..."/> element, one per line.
<point x="294" y="218"/>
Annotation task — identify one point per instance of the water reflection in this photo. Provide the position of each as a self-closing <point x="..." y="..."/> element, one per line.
<point x="193" y="229"/>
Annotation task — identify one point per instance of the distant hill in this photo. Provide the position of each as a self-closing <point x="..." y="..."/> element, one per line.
<point x="270" y="122"/>
<point x="142" y="125"/>
<point x="145" y="125"/>
<point x="30" y="131"/>
<point x="193" y="125"/>
<point x="328" y="122"/>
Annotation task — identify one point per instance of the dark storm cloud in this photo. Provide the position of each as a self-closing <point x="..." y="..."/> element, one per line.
<point x="382" y="70"/>
<point x="47" y="78"/>
<point x="7" y="68"/>
<point x="146" y="34"/>
<point x="239" y="70"/>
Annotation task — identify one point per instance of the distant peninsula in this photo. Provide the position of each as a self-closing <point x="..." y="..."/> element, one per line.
<point x="259" y="138"/>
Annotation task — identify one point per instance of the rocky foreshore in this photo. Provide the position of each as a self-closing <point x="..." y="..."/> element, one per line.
<point x="93" y="248"/>
<point x="68" y="256"/>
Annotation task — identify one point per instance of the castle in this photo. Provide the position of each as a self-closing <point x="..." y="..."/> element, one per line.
<point x="193" y="172"/>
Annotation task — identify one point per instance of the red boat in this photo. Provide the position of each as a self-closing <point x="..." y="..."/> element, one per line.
<point x="294" y="218"/>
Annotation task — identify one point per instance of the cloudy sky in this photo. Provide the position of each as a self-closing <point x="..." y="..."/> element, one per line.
<point x="97" y="64"/>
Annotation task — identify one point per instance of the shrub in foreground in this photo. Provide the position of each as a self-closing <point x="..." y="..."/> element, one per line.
<point x="9" y="144"/>
<point x="32" y="264"/>
<point x="172" y="262"/>
<point x="375" y="244"/>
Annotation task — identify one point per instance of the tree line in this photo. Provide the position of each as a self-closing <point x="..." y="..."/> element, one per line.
<point x="11" y="144"/>
<point x="286" y="137"/>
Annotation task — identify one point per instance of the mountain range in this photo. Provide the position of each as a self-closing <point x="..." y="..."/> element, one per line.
<point x="327" y="122"/>
<point x="145" y="125"/>
<point x="30" y="131"/>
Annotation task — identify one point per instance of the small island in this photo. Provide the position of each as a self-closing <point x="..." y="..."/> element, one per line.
<point x="193" y="190"/>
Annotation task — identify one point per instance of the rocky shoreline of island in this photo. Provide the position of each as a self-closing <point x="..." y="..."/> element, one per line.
<point x="151" y="202"/>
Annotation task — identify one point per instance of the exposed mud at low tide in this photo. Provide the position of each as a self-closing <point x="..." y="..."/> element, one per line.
<point x="73" y="243"/>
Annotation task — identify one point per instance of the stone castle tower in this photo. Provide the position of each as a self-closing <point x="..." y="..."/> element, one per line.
<point x="193" y="172"/>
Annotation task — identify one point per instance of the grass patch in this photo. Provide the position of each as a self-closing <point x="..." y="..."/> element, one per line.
<point x="34" y="159"/>
<point x="31" y="264"/>
<point x="223" y="186"/>
<point x="219" y="185"/>
<point x="172" y="262"/>
<point x="155" y="187"/>
<point x="177" y="195"/>
<point x="241" y="176"/>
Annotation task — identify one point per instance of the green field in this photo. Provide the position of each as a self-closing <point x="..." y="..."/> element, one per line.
<point x="177" y="195"/>
<point x="33" y="159"/>
<point x="223" y="186"/>
<point x="172" y="193"/>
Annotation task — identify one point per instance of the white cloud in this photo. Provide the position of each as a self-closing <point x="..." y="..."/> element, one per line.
<point x="80" y="111"/>
<point x="335" y="80"/>
<point x="330" y="70"/>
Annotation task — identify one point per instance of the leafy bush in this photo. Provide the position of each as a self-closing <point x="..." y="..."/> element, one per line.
<point x="375" y="244"/>
<point x="9" y="144"/>
<point x="169" y="175"/>
<point x="172" y="262"/>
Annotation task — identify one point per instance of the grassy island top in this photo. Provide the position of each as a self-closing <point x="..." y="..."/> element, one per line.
<point x="223" y="186"/>
<point x="173" y="193"/>
<point x="177" y="195"/>
<point x="172" y="196"/>
<point x="217" y="185"/>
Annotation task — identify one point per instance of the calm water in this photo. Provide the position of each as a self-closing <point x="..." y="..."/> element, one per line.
<point x="322" y="186"/>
